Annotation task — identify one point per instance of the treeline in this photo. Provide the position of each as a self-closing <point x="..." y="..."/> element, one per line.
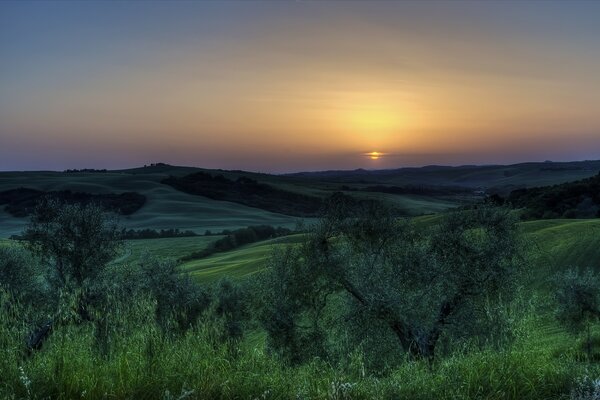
<point x="70" y="171"/>
<point x="22" y="201"/>
<point x="579" y="199"/>
<point x="237" y="238"/>
<point x="248" y="192"/>
<point x="132" y="234"/>
<point x="414" y="189"/>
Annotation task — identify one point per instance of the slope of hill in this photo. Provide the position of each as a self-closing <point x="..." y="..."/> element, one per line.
<point x="563" y="243"/>
<point x="555" y="245"/>
<point x="579" y="199"/>
<point x="247" y="191"/>
<point x="165" y="207"/>
<point x="236" y="263"/>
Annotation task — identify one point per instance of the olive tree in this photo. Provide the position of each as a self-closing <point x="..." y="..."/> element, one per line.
<point x="75" y="242"/>
<point x="179" y="300"/>
<point x="20" y="275"/>
<point x="415" y="283"/>
<point x="577" y="295"/>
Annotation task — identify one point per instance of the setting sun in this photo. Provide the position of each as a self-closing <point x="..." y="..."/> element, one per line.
<point x="374" y="155"/>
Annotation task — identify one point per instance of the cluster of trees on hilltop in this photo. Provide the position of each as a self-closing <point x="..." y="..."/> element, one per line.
<point x="21" y="202"/>
<point x="579" y="199"/>
<point x="248" y="192"/>
<point x="74" y="170"/>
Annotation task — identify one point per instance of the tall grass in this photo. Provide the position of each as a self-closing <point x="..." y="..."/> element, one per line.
<point x="140" y="360"/>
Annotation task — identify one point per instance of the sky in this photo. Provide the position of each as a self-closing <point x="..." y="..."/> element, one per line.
<point x="291" y="86"/>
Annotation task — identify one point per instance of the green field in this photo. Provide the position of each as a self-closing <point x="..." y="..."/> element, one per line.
<point x="555" y="245"/>
<point x="237" y="263"/>
<point x="134" y="250"/>
<point x="560" y="244"/>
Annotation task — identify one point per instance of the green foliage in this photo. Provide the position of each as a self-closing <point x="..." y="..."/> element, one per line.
<point x="418" y="288"/>
<point x="579" y="199"/>
<point x="232" y="302"/>
<point x="142" y="361"/>
<point x="578" y="302"/>
<point x="152" y="332"/>
<point x="577" y="297"/>
<point x="21" y="276"/>
<point x="293" y="296"/>
<point x="179" y="300"/>
<point x="154" y="233"/>
<point x="21" y="202"/>
<point x="247" y="191"/>
<point x="74" y="242"/>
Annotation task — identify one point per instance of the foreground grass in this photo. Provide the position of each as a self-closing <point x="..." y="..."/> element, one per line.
<point x="147" y="364"/>
<point x="140" y="361"/>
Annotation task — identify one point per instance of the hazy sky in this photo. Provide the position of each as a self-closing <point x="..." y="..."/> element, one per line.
<point x="283" y="86"/>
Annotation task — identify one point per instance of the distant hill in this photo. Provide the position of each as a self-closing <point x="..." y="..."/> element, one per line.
<point x="579" y="199"/>
<point x="165" y="207"/>
<point x="493" y="178"/>
<point x="267" y="199"/>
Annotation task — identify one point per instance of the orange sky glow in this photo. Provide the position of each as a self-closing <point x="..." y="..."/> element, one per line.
<point x="297" y="86"/>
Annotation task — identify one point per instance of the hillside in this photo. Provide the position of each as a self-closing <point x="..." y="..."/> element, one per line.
<point x="247" y="191"/>
<point x="555" y="244"/>
<point x="494" y="178"/>
<point x="579" y="199"/>
<point x="410" y="191"/>
<point x="164" y="208"/>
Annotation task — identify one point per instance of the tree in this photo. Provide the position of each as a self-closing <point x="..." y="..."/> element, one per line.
<point x="577" y="295"/>
<point x="416" y="284"/>
<point x="231" y="305"/>
<point x="179" y="300"/>
<point x="293" y="297"/>
<point x="20" y="275"/>
<point x="75" y="242"/>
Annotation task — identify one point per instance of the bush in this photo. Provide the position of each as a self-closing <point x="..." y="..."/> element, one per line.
<point x="21" y="275"/>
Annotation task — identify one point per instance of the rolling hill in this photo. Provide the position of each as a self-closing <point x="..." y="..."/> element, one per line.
<point x="411" y="191"/>
<point x="165" y="207"/>
<point x="494" y="178"/>
<point x="555" y="246"/>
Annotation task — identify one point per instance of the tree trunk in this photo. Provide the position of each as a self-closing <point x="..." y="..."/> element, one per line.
<point x="38" y="337"/>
